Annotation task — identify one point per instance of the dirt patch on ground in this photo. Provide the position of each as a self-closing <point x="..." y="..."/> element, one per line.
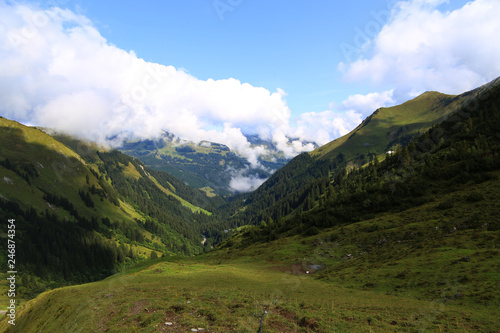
<point x="278" y="326"/>
<point x="170" y="323"/>
<point x="295" y="269"/>
<point x="105" y="317"/>
<point x="138" y="307"/>
<point x="289" y="315"/>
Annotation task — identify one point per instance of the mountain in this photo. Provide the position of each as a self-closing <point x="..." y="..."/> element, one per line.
<point x="389" y="127"/>
<point x="378" y="136"/>
<point x="206" y="165"/>
<point x="280" y="286"/>
<point x="82" y="212"/>
<point x="424" y="215"/>
<point x="406" y="241"/>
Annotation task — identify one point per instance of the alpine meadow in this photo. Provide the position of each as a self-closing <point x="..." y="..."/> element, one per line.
<point x="138" y="197"/>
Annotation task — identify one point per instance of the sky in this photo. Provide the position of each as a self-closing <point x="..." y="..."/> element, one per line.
<point x="218" y="69"/>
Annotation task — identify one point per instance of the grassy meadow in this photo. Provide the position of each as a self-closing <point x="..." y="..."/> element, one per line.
<point x="232" y="296"/>
<point x="431" y="268"/>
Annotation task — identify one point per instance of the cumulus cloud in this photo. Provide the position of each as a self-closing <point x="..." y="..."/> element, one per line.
<point x="421" y="47"/>
<point x="322" y="127"/>
<point x="411" y="48"/>
<point x="242" y="181"/>
<point x="366" y="104"/>
<point x="58" y="71"/>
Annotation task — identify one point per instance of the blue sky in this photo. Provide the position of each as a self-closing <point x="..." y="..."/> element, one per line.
<point x="218" y="69"/>
<point x="292" y="45"/>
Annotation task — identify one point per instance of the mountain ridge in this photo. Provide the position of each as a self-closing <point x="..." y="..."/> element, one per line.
<point x="208" y="165"/>
<point x="417" y="114"/>
<point x="405" y="242"/>
<point x="287" y="190"/>
<point x="84" y="194"/>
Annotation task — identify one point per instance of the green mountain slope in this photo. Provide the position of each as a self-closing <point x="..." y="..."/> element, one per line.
<point x="293" y="188"/>
<point x="82" y="212"/>
<point x="465" y="144"/>
<point x="424" y="217"/>
<point x="388" y="127"/>
<point x="206" y="165"/>
<point x="378" y="275"/>
<point x="407" y="244"/>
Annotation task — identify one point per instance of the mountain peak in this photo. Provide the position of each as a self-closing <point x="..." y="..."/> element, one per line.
<point x="389" y="126"/>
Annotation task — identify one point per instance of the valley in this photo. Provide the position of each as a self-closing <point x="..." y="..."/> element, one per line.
<point x="391" y="288"/>
<point x="206" y="165"/>
<point x="346" y="238"/>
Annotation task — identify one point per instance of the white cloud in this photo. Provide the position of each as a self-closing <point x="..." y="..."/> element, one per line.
<point x="58" y="71"/>
<point x="422" y="48"/>
<point x="323" y="127"/>
<point x="417" y="48"/>
<point x="366" y="104"/>
<point x="241" y="182"/>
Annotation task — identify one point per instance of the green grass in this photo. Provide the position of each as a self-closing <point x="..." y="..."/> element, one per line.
<point x="204" y="168"/>
<point x="185" y="203"/>
<point x="431" y="268"/>
<point x="4" y="288"/>
<point x="62" y="172"/>
<point x="169" y="149"/>
<point x="375" y="133"/>
<point x="209" y="192"/>
<point x="59" y="167"/>
<point x="13" y="187"/>
<point x="232" y="296"/>
<point x="421" y="270"/>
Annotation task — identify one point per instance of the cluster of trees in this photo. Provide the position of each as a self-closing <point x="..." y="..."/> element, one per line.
<point x="62" y="202"/>
<point x="177" y="226"/>
<point x="185" y="149"/>
<point x="57" y="252"/>
<point x="27" y="171"/>
<point x="59" y="249"/>
<point x="307" y="195"/>
<point x="202" y="169"/>
<point x="464" y="148"/>
<point x="290" y="190"/>
<point x="196" y="169"/>
<point x="85" y="196"/>
<point x="143" y="193"/>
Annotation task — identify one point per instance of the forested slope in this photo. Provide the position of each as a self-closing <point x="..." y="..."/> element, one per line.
<point x="82" y="212"/>
<point x="323" y="179"/>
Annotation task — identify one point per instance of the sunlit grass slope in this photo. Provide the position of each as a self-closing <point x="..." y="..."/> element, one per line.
<point x="223" y="294"/>
<point x="389" y="126"/>
<point x="92" y="209"/>
<point x="432" y="268"/>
